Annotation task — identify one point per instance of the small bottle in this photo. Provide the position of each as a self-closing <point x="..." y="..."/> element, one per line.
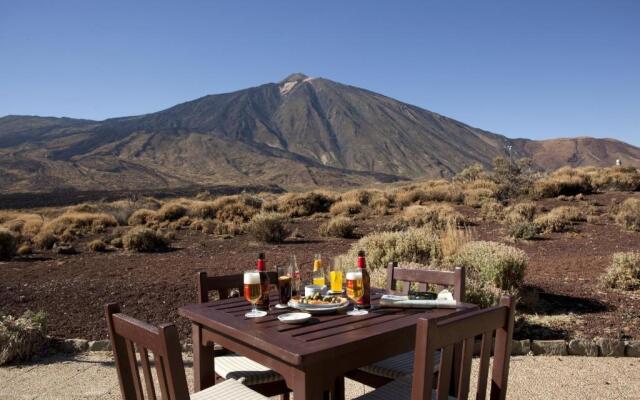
<point x="263" y="303"/>
<point x="318" y="272"/>
<point x="296" y="284"/>
<point x="365" y="301"/>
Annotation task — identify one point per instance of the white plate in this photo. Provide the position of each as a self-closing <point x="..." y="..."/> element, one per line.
<point x="294" y="317"/>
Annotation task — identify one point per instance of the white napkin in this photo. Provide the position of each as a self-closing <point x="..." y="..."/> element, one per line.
<point x="444" y="300"/>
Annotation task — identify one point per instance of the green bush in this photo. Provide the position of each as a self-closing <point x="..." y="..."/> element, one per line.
<point x="421" y="245"/>
<point x="492" y="269"/>
<point x="269" y="227"/>
<point x="624" y="271"/>
<point x="341" y="227"/>
<point x="523" y="230"/>
<point x="23" y="337"/>
<point x="8" y="244"/>
<point x="144" y="240"/>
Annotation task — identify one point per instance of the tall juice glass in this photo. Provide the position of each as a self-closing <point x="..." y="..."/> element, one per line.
<point x="335" y="279"/>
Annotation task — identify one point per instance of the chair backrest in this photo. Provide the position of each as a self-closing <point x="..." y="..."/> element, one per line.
<point x="224" y="285"/>
<point x="126" y="335"/>
<point x="453" y="278"/>
<point x="444" y="333"/>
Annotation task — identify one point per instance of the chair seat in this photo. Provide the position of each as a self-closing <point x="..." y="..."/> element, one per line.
<point x="227" y="390"/>
<point x="397" y="367"/>
<point x="244" y="370"/>
<point x="399" y="389"/>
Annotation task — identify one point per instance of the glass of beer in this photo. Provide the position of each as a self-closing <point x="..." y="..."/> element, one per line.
<point x="355" y="291"/>
<point x="253" y="293"/>
<point x="284" y="285"/>
<point x="335" y="279"/>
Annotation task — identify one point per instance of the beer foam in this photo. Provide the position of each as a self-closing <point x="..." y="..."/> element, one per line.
<point x="354" y="276"/>
<point x="251" y="278"/>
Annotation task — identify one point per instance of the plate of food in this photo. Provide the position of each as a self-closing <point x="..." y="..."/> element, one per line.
<point x="318" y="304"/>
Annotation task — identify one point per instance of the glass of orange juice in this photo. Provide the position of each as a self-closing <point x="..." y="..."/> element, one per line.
<point x="335" y="279"/>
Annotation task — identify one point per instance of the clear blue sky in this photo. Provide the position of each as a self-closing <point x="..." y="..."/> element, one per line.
<point x="535" y="69"/>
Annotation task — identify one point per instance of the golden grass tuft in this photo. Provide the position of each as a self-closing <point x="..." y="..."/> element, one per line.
<point x="144" y="240"/>
<point x="435" y="215"/>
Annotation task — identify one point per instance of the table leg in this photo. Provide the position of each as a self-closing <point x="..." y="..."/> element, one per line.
<point x="338" y="389"/>
<point x="305" y="387"/>
<point x="204" y="374"/>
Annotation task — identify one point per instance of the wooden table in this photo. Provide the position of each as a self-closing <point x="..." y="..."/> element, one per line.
<point x="310" y="357"/>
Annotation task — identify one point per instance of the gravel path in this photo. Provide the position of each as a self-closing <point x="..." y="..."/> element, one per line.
<point x="93" y="376"/>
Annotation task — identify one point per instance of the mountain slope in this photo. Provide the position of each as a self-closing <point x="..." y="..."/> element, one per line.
<point x="299" y="132"/>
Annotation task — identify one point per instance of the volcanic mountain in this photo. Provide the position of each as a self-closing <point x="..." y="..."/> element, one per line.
<point x="300" y="132"/>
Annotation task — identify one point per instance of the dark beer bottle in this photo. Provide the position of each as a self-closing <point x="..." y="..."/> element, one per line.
<point x="365" y="301"/>
<point x="263" y="303"/>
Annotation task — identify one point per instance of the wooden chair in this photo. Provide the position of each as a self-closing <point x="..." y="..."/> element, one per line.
<point x="383" y="372"/>
<point x="128" y="334"/>
<point x="442" y="334"/>
<point x="233" y="366"/>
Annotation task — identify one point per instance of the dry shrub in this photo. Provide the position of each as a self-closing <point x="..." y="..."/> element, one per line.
<point x="345" y="207"/>
<point x="341" y="227"/>
<point x="525" y="230"/>
<point x="144" y="240"/>
<point x="492" y="211"/>
<point x="520" y="212"/>
<point x="78" y="223"/>
<point x="628" y="214"/>
<point x="453" y="238"/>
<point x="24" y="224"/>
<point x="236" y="213"/>
<point x="471" y="173"/>
<point x="202" y="209"/>
<point x="304" y="204"/>
<point x="8" y="244"/>
<point x="142" y="217"/>
<point x="380" y="205"/>
<point x="420" y="245"/>
<point x="615" y="178"/>
<point x="361" y="196"/>
<point x="117" y="242"/>
<point x="213" y="227"/>
<point x="565" y="181"/>
<point x="435" y="215"/>
<point x="492" y="269"/>
<point x="442" y="191"/>
<point x="23" y="337"/>
<point x="559" y="219"/>
<point x="624" y="271"/>
<point x="98" y="246"/>
<point x="45" y="240"/>
<point x="171" y="211"/>
<point x="269" y="227"/>
<point x="477" y="196"/>
<point x="24" y="250"/>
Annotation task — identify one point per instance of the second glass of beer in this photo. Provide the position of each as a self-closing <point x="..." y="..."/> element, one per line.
<point x="284" y="285"/>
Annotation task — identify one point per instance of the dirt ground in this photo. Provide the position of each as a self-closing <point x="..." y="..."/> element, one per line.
<point x="72" y="290"/>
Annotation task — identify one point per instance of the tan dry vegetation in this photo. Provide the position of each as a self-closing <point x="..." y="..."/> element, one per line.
<point x="628" y="215"/>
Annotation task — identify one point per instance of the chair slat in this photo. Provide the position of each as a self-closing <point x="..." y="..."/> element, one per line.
<point x="444" y="375"/>
<point x="465" y="368"/>
<point x="483" y="371"/>
<point x="146" y="372"/>
<point x="133" y="364"/>
<point x="161" y="371"/>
